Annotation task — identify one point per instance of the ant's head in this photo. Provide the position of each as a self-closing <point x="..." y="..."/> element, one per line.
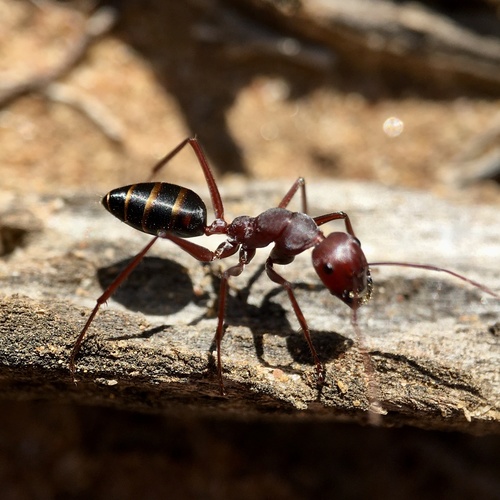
<point x="343" y="269"/>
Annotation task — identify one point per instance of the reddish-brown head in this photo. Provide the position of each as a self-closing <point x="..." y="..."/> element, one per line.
<point x="343" y="269"/>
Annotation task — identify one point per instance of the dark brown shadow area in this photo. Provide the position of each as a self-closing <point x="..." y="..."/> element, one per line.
<point x="104" y="453"/>
<point x="270" y="318"/>
<point x="157" y="286"/>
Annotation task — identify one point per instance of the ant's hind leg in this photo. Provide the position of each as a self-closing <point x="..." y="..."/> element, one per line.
<point x="163" y="161"/>
<point x="103" y="298"/>
<point x="207" y="172"/>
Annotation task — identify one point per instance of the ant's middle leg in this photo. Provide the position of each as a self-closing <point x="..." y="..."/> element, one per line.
<point x="322" y="219"/>
<point x="277" y="278"/>
<point x="299" y="183"/>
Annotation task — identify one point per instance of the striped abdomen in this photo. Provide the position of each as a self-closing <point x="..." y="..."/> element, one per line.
<point x="157" y="206"/>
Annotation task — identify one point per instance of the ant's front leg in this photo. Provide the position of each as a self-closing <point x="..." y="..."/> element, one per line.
<point x="277" y="278"/>
<point x="323" y="219"/>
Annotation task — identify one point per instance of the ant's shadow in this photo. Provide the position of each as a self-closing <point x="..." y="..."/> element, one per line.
<point x="156" y="287"/>
<point x="270" y="317"/>
<point x="163" y="287"/>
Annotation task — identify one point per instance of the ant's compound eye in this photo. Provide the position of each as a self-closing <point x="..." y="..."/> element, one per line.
<point x="328" y="268"/>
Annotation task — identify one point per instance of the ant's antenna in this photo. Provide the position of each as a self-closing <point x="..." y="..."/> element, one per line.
<point x="430" y="267"/>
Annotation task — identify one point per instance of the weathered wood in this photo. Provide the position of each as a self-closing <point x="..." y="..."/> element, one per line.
<point x="433" y="341"/>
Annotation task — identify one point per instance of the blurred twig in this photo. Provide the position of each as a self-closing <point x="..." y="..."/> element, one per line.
<point x="100" y="23"/>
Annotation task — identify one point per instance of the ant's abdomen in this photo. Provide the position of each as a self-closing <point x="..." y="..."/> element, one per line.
<point x="158" y="207"/>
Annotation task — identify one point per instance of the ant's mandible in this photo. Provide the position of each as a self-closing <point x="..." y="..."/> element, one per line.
<point x="173" y="212"/>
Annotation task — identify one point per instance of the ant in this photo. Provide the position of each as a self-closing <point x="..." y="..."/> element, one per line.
<point x="175" y="213"/>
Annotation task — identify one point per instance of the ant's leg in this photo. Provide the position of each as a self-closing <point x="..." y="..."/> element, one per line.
<point x="299" y="183"/>
<point x="199" y="252"/>
<point x="209" y="176"/>
<point x="205" y="255"/>
<point x="323" y="219"/>
<point x="161" y="163"/>
<point x="274" y="276"/>
<point x="103" y="298"/>
<point x="429" y="267"/>
<point x="245" y="257"/>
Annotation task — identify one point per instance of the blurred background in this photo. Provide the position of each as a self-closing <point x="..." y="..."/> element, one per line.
<point x="272" y="90"/>
<point x="92" y="94"/>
